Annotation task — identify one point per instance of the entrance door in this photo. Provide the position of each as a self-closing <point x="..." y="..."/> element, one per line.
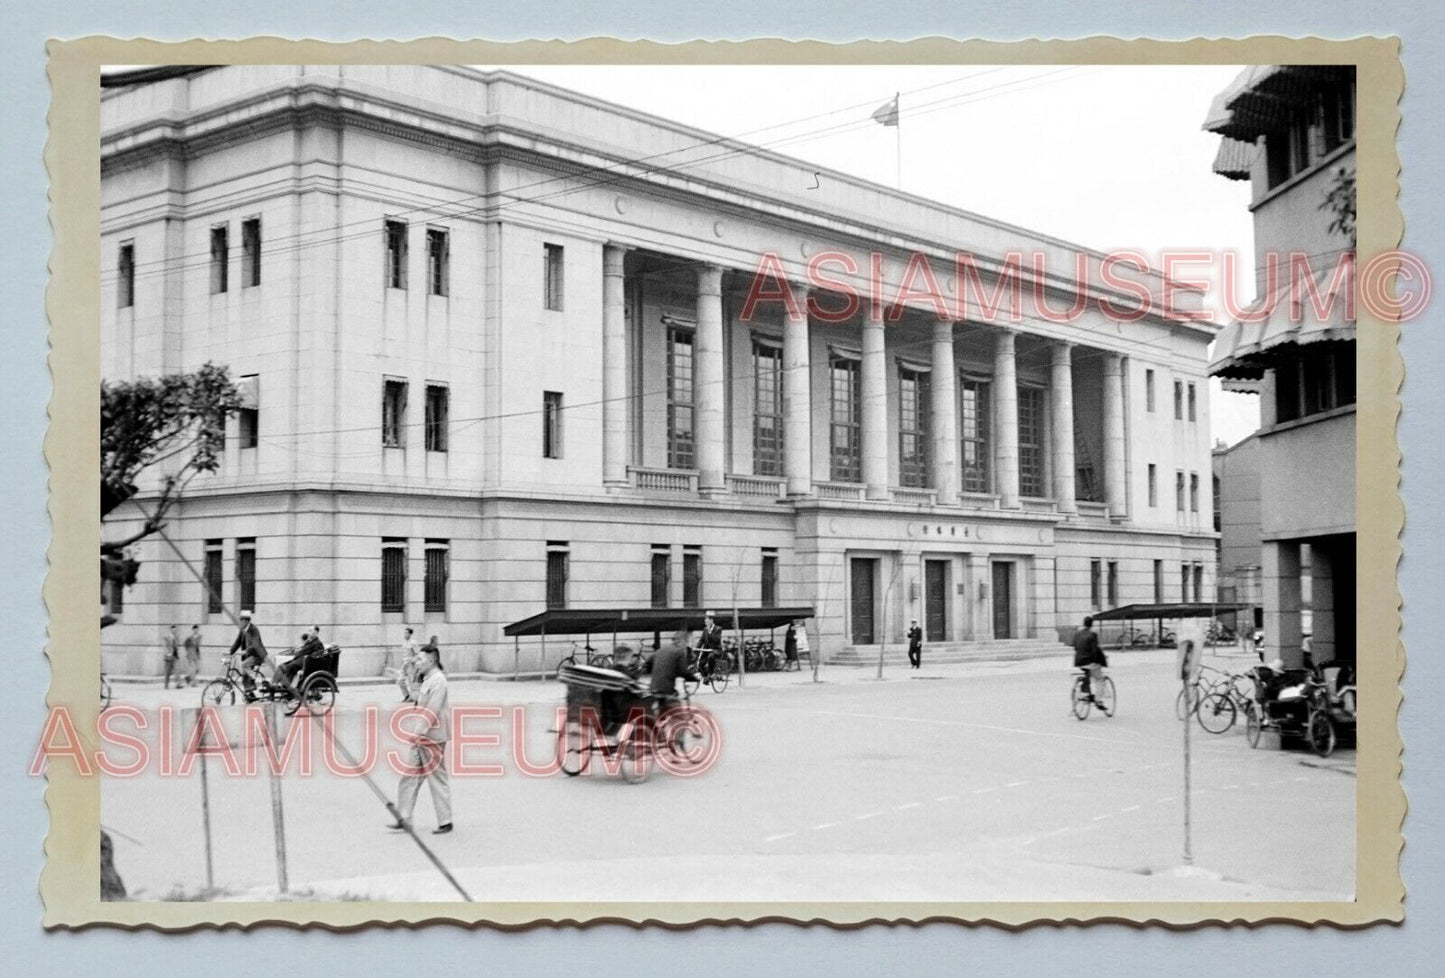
<point x="1003" y="599"/>
<point x="862" y="574"/>
<point x="935" y="600"/>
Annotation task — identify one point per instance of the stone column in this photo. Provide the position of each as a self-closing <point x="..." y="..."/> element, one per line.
<point x="1005" y="421"/>
<point x="1061" y="399"/>
<point x="614" y="368"/>
<point x="1115" y="495"/>
<point x="797" y="399"/>
<point x="1282" y="601"/>
<point x="944" y="415"/>
<point x="873" y="391"/>
<point x="708" y="393"/>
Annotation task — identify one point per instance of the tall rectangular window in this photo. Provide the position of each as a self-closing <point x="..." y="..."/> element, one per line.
<point x="125" y="275"/>
<point x="395" y="239"/>
<point x="558" y="560"/>
<point x="1153" y="485"/>
<point x="681" y="446"/>
<point x="1113" y="593"/>
<point x="973" y="431"/>
<point x="552" y="276"/>
<point x="692" y="577"/>
<point x="393" y="413"/>
<point x="551" y="424"/>
<point x="438" y="261"/>
<point x="250" y="252"/>
<point x="214" y="577"/>
<point x="1178" y="400"/>
<point x="661" y="575"/>
<point x="1184" y="578"/>
<point x="1031" y="442"/>
<point x="438" y="569"/>
<point x="1193" y="403"/>
<point x="1198" y="583"/>
<point x="393" y="574"/>
<point x="248" y="417"/>
<point x="1194" y="492"/>
<point x="246" y="573"/>
<point x="438" y="397"/>
<point x="912" y="428"/>
<point x="1158" y="582"/>
<point x="1149" y="390"/>
<point x="1179" y="491"/>
<point x="770" y="578"/>
<point x="1096" y="582"/>
<point x="767" y="409"/>
<point x="220" y="258"/>
<point x="845" y="453"/>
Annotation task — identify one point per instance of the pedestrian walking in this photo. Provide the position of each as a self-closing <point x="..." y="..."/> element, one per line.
<point x="171" y="649"/>
<point x="193" y="654"/>
<point x="427" y="757"/>
<point x="790" y="647"/>
<point x="915" y="645"/>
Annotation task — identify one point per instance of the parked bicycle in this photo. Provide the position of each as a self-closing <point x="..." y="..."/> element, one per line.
<point x="1131" y="637"/>
<point x="1225" y="700"/>
<point x="591" y="657"/>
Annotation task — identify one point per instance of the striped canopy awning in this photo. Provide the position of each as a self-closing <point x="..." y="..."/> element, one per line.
<point x="1263" y="97"/>
<point x="1242" y="349"/>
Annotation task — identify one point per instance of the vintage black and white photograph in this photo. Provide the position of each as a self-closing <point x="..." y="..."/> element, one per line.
<point x="601" y="483"/>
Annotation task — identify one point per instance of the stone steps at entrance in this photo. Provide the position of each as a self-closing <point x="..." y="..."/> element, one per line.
<point x="951" y="653"/>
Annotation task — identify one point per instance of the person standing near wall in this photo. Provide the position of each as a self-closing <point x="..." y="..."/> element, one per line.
<point x="193" y="654"/>
<point x="171" y="649"/>
<point x="915" y="645"/>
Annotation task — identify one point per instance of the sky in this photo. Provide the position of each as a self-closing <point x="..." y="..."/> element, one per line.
<point x="1104" y="156"/>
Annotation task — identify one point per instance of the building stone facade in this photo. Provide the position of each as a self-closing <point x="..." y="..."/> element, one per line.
<point x="498" y="353"/>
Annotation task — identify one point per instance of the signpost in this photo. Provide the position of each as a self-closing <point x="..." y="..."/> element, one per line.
<point x="1191" y="643"/>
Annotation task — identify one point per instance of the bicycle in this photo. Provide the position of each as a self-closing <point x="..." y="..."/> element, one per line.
<point x="715" y="668"/>
<point x="1224" y="700"/>
<point x="1102" y="694"/>
<point x="315" y="686"/>
<point x="1195" y="693"/>
<point x="602" y="660"/>
<point x="106" y="693"/>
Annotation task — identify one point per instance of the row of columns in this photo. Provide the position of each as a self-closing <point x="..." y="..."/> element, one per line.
<point x="710" y="419"/>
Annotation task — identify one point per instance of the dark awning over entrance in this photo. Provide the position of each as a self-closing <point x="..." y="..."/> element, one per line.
<point x="580" y="621"/>
<point x="1139" y="611"/>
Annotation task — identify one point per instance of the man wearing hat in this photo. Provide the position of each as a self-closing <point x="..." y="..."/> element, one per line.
<point x="248" y="638"/>
<point x="915" y="645"/>
<point x="427" y="757"/>
<point x="711" y="637"/>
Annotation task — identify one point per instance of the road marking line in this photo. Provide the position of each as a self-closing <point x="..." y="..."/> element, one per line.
<point x="867" y="816"/>
<point x="1165" y="800"/>
<point x="911" y="804"/>
<point x="1017" y="784"/>
<point x="825" y="825"/>
<point x="775" y="838"/>
<point x="1131" y="808"/>
<point x="1100" y="818"/>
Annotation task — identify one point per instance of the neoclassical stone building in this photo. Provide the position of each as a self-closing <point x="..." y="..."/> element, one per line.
<point x="508" y="347"/>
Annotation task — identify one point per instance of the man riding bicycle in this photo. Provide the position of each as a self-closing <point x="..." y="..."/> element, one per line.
<point x="1089" y="657"/>
<point x="668" y="665"/>
<point x="248" y="637"/>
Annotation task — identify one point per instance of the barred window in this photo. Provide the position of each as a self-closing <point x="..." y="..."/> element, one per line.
<point x="1185" y="574"/>
<point x="692" y="577"/>
<point x="125" y="275"/>
<point x="393" y="575"/>
<point x="557" y="570"/>
<point x="437" y="397"/>
<point x="845" y="424"/>
<point x="551" y="424"/>
<point x="912" y="428"/>
<point x="973" y="428"/>
<point x="214" y="577"/>
<point x="438" y="556"/>
<point x="1031" y="442"/>
<point x="1198" y="582"/>
<point x="395" y="238"/>
<point x="250" y="252"/>
<point x="220" y="258"/>
<point x="681" y="445"/>
<point x="246" y="573"/>
<point x="767" y="409"/>
<point x="661" y="576"/>
<point x="1113" y="592"/>
<point x="393" y="413"/>
<point x="1096" y="581"/>
<point x="552" y="276"/>
<point x="770" y="578"/>
<point x="438" y="261"/>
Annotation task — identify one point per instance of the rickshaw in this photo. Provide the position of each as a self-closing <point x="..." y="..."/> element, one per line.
<point x="611" y="714"/>
<point x="315" y="686"/>
<point x="1301" y="703"/>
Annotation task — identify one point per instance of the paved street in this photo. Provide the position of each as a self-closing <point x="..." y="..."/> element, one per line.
<point x="957" y="783"/>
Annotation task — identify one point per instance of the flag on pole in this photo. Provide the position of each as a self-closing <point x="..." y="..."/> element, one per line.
<point x="887" y="113"/>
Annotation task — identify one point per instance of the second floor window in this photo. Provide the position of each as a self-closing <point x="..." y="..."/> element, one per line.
<point x="1113" y="593"/>
<point x="246" y="573"/>
<point x="1198" y="582"/>
<point x="250" y="253"/>
<point x="1153" y="485"/>
<point x="214" y="577"/>
<point x="438" y="569"/>
<point x="395" y="240"/>
<point x="912" y="428"/>
<point x="125" y="276"/>
<point x="1031" y="442"/>
<point x="438" y="261"/>
<point x="1193" y="403"/>
<point x="681" y="446"/>
<point x="393" y="575"/>
<point x="551" y="424"/>
<point x="1148" y="390"/>
<point x="1178" y="400"/>
<point x="393" y="413"/>
<point x="661" y="576"/>
<point x="437" y="397"/>
<point x="558" y="559"/>
<point x="1194" y="492"/>
<point x="1096" y="582"/>
<point x="767" y="409"/>
<point x="220" y="258"/>
<point x="973" y="432"/>
<point x="770" y="578"/>
<point x="1184" y="577"/>
<point x="552" y="277"/>
<point x="845" y="453"/>
<point x="692" y="577"/>
<point x="1179" y="491"/>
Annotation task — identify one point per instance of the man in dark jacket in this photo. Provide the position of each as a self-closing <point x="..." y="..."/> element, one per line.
<point x="915" y="645"/>
<point x="1088" y="656"/>
<point x="311" y="645"/>
<point x="668" y="665"/>
<point x="248" y="638"/>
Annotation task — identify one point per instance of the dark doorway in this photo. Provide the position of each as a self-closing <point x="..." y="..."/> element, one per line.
<point x="863" y="572"/>
<point x="935" y="600"/>
<point x="1003" y="599"/>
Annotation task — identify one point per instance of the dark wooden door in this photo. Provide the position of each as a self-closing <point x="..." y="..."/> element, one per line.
<point x="935" y="600"/>
<point x="862" y="575"/>
<point x="1003" y="599"/>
